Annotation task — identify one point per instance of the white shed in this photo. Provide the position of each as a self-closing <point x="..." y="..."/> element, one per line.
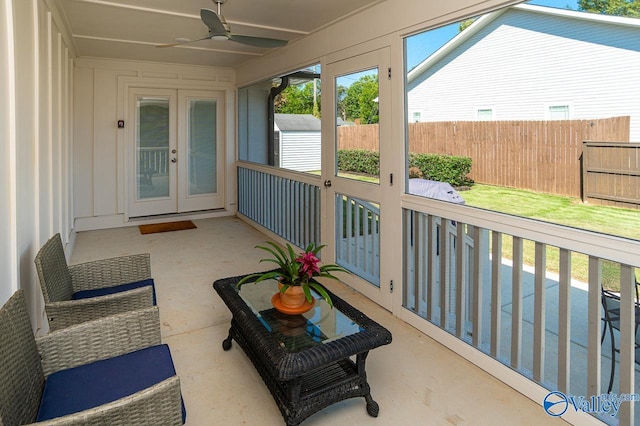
<point x="297" y="142"/>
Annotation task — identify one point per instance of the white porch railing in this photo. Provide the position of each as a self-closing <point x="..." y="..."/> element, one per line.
<point x="287" y="207"/>
<point x="545" y="327"/>
<point x="153" y="161"/>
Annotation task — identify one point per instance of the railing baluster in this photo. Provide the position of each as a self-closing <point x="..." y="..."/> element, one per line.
<point x="306" y="212"/>
<point x="373" y="242"/>
<point x="564" y="322"/>
<point x="539" y="324"/>
<point x="315" y="229"/>
<point x="365" y="240"/>
<point x="516" y="304"/>
<point x="461" y="281"/>
<point x="431" y="265"/>
<point x="594" y="359"/>
<point x="445" y="282"/>
<point x="356" y="226"/>
<point x="496" y="293"/>
<point x="340" y="227"/>
<point x="479" y="256"/>
<point x="415" y="235"/>
<point x="418" y="255"/>
<point x="349" y="229"/>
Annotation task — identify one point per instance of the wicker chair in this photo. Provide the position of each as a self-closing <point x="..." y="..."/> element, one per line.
<point x="91" y="290"/>
<point x="98" y="372"/>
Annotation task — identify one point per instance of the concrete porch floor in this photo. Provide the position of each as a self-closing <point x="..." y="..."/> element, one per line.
<point x="415" y="379"/>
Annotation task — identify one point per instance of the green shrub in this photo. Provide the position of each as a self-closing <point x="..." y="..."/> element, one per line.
<point x="443" y="168"/>
<point x="359" y="161"/>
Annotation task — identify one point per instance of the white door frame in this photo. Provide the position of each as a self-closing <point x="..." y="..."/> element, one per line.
<point x="178" y="199"/>
<point x="377" y="193"/>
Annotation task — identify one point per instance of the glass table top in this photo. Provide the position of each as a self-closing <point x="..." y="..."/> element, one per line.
<point x="318" y="326"/>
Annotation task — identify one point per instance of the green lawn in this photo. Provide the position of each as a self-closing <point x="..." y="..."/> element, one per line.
<point x="555" y="209"/>
<point x="561" y="210"/>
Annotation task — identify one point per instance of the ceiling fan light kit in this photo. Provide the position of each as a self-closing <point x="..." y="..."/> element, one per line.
<point x="220" y="30"/>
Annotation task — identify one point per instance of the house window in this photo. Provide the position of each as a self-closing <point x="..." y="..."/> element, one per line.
<point x="558" y="112"/>
<point x="485" y="114"/>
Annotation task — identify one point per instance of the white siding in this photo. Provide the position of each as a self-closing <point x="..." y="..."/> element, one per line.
<point x="300" y="151"/>
<point x="523" y="62"/>
<point x="36" y="78"/>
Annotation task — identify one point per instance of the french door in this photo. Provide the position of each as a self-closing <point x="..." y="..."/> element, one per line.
<point x="175" y="151"/>
<point x="359" y="94"/>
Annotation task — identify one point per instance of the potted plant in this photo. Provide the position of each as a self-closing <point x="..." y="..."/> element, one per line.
<point x="296" y="273"/>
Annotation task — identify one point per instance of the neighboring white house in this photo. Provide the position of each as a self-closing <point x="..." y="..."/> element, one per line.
<point x="297" y="142"/>
<point x="532" y="63"/>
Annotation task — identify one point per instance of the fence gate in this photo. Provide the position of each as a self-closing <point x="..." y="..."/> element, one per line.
<point x="611" y="174"/>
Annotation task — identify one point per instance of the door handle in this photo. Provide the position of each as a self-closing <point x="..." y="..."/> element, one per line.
<point x="327" y="184"/>
<point x="173" y="160"/>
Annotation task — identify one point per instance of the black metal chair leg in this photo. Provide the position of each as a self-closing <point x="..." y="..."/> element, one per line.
<point x="613" y="359"/>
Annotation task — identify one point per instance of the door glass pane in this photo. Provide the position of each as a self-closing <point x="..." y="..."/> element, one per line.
<point x="152" y="147"/>
<point x="357" y="134"/>
<point x="202" y="147"/>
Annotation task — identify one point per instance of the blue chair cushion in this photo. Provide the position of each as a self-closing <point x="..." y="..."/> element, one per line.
<point x="91" y="385"/>
<point x="87" y="294"/>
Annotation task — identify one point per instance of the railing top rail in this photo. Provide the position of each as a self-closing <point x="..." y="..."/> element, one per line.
<point x="366" y="204"/>
<point x="604" y="246"/>
<point x="288" y="174"/>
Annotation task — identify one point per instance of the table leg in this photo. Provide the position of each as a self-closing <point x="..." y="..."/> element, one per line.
<point x="373" y="409"/>
<point x="226" y="343"/>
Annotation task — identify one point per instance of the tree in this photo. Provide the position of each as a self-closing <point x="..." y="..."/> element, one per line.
<point x="359" y="102"/>
<point x="629" y="8"/>
<point x="299" y="99"/>
<point x="463" y="25"/>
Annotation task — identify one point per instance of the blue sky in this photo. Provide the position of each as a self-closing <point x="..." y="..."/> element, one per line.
<point x="420" y="46"/>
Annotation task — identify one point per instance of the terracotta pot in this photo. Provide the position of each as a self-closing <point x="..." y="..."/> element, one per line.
<point x="293" y="297"/>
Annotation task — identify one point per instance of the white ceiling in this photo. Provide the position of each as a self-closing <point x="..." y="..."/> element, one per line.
<point x="131" y="29"/>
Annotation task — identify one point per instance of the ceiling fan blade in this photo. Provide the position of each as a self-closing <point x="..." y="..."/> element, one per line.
<point x="212" y="20"/>
<point x="257" y="41"/>
<point x="181" y="42"/>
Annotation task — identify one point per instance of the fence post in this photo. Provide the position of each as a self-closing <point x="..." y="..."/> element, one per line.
<point x="584" y="161"/>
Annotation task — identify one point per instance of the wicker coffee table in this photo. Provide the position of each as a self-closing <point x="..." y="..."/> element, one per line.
<point x="305" y="360"/>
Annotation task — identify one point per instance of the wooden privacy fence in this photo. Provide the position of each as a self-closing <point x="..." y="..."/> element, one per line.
<point x="364" y="136"/>
<point x="542" y="156"/>
<point x="611" y="173"/>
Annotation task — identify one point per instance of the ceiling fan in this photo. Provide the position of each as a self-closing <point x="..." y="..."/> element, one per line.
<point x="220" y="30"/>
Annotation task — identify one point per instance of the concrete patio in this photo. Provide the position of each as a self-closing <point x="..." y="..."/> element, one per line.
<point x="415" y="379"/>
